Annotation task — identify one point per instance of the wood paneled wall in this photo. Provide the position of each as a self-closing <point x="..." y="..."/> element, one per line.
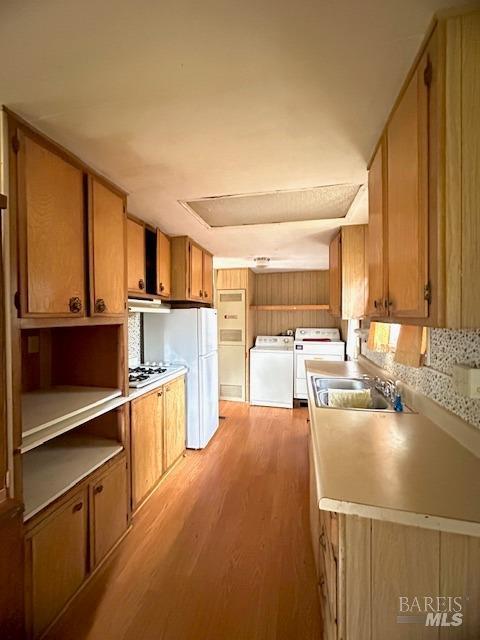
<point x="292" y="287"/>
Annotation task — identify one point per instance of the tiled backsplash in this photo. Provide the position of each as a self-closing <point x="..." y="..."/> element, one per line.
<point x="134" y="338"/>
<point x="447" y="347"/>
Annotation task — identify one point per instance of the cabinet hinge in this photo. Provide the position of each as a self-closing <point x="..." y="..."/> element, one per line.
<point x="15" y="144"/>
<point x="16" y="300"/>
<point x="428" y="73"/>
<point x="427" y="292"/>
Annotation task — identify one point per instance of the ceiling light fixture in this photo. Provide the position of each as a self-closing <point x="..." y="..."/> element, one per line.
<point x="262" y="262"/>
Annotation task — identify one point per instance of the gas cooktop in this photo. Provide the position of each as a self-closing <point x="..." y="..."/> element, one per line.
<point x="145" y="374"/>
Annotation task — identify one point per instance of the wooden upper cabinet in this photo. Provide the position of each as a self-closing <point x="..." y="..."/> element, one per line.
<point x="164" y="265"/>
<point x="347" y="272"/>
<point x="376" y="254"/>
<point x="407" y="195"/>
<point x="174" y="421"/>
<point x="107" y="250"/>
<point x="196" y="272"/>
<point x="353" y="271"/>
<point x="207" y="277"/>
<point x="192" y="271"/>
<point x="108" y="511"/>
<point x="136" y="256"/>
<point x="59" y="560"/>
<point x="335" y="275"/>
<point x="51" y="220"/>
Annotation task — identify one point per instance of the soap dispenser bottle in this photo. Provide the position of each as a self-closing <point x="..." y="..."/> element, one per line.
<point x="397" y="403"/>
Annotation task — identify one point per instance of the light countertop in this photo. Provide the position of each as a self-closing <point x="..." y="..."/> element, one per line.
<point x="400" y="467"/>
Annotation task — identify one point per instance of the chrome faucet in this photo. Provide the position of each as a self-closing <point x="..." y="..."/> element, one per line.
<point x="387" y="387"/>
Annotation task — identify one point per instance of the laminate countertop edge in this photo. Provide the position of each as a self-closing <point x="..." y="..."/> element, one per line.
<point x="391" y="467"/>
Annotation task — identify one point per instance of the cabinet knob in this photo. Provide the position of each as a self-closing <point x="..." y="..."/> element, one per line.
<point x="75" y="304"/>
<point x="161" y="287"/>
<point x="141" y="284"/>
<point x="77" y="507"/>
<point x="100" y="305"/>
<point x="205" y="294"/>
<point x="160" y="394"/>
<point x="98" y="488"/>
<point x="200" y="293"/>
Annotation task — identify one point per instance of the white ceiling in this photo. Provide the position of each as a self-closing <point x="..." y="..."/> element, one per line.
<point x="177" y="100"/>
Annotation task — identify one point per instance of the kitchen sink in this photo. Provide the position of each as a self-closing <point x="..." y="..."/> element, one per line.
<point x="379" y="401"/>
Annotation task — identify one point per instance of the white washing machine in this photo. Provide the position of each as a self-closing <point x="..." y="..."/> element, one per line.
<point x="271" y="372"/>
<point x="314" y="344"/>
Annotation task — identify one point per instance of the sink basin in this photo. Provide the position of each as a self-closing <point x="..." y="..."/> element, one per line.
<point x="322" y="385"/>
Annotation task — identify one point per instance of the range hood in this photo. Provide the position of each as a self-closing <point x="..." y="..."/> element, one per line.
<point x="141" y="305"/>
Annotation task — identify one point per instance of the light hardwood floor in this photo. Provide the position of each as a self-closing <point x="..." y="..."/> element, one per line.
<point x="221" y="551"/>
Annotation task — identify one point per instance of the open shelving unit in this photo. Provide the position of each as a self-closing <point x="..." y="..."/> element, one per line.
<point x="52" y="469"/>
<point x="38" y="434"/>
<point x="48" y="407"/>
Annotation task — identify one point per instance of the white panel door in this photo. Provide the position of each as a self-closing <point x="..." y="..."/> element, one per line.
<point x="232" y="372"/>
<point x="231" y="316"/>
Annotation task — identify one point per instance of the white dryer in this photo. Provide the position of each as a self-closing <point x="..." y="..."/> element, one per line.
<point x="314" y="344"/>
<point x="271" y="371"/>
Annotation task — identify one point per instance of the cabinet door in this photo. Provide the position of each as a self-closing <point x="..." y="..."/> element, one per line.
<point x="147" y="443"/>
<point x="58" y="556"/>
<point x="335" y="275"/>
<point x="107" y="251"/>
<point x="353" y="280"/>
<point x="163" y="265"/>
<point x="207" y="277"/>
<point x="376" y="241"/>
<point x="51" y="232"/>
<point x="407" y="194"/>
<point x="196" y="272"/>
<point x="108" y="510"/>
<point x="174" y="421"/>
<point x="136" y="256"/>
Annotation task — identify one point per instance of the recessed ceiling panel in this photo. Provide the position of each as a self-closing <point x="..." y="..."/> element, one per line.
<point x="318" y="203"/>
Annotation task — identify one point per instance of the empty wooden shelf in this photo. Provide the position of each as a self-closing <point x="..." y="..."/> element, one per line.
<point x="54" y="468"/>
<point x="47" y="407"/>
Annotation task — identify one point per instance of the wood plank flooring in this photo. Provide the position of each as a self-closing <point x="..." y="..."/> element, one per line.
<point x="221" y="551"/>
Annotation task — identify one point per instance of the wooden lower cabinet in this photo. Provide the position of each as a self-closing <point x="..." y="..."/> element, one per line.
<point x="67" y="541"/>
<point x="108" y="511"/>
<point x="57" y="561"/>
<point x="147" y="444"/>
<point x="157" y="436"/>
<point x="174" y="421"/>
<point x="364" y="566"/>
<point x="11" y="571"/>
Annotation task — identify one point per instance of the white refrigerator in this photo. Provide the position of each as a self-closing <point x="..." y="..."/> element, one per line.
<point x="189" y="336"/>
